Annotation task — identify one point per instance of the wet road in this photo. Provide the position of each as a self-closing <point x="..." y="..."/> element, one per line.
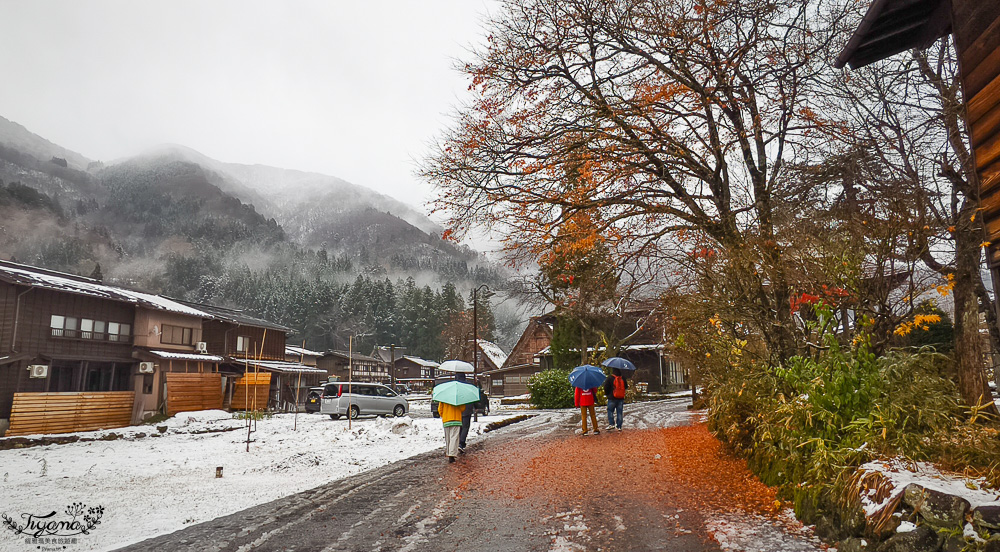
<point x="530" y="486"/>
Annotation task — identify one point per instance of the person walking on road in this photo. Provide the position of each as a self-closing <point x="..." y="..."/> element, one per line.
<point x="463" y="434"/>
<point x="584" y="398"/>
<point x="614" y="390"/>
<point x="451" y="417"/>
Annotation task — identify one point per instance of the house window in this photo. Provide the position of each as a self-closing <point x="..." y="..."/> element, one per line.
<point x="498" y="383"/>
<point x="91" y="329"/>
<point x="64" y="326"/>
<point x="118" y="332"/>
<point x="242" y="343"/>
<point x="176" y="335"/>
<point x="147" y="384"/>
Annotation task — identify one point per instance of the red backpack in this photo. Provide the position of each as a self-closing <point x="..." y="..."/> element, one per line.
<point x="619" y="388"/>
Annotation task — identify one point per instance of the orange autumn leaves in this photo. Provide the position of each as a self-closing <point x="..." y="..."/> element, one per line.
<point x="692" y="471"/>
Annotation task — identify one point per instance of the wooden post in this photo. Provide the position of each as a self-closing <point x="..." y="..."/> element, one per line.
<point x="246" y="393"/>
<point x="350" y="388"/>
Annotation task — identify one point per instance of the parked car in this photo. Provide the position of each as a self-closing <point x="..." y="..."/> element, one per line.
<point x="315" y="396"/>
<point x="354" y="399"/>
<point x="482" y="407"/>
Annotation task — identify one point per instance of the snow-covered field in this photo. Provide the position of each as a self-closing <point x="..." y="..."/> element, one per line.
<point x="154" y="485"/>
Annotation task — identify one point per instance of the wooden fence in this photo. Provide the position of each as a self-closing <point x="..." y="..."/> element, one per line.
<point x="69" y="412"/>
<point x="194" y="391"/>
<point x="251" y="392"/>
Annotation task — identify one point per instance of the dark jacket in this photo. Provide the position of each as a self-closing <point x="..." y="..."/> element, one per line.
<point x="609" y="386"/>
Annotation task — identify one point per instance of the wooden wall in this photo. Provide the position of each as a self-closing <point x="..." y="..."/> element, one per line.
<point x="37" y="307"/>
<point x="220" y="337"/>
<point x="69" y="412"/>
<point x="247" y="388"/>
<point x="145" y="336"/>
<point x="191" y="392"/>
<point x="536" y="337"/>
<point x="976" y="25"/>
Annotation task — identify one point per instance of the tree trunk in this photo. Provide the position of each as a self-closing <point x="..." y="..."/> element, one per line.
<point x="968" y="345"/>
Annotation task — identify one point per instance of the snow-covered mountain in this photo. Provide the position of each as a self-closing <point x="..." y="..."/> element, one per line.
<point x="174" y="201"/>
<point x="300" y="201"/>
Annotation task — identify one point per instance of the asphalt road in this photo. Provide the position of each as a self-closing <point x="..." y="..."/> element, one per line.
<point x="486" y="501"/>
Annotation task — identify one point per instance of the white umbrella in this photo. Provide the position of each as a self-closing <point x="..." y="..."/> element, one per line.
<point x="456" y="366"/>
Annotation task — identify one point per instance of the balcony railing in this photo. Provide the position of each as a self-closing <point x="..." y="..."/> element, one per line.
<point x="90" y="336"/>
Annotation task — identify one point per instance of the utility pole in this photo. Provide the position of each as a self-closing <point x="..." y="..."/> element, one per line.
<point x="392" y="366"/>
<point x="475" y="343"/>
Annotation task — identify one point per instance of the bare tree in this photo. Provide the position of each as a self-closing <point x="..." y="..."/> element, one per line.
<point x="683" y="117"/>
<point x="907" y="113"/>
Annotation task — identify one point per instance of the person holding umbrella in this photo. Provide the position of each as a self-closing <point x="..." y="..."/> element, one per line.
<point x="453" y="398"/>
<point x="614" y="389"/>
<point x="586" y="379"/>
<point x="460" y="369"/>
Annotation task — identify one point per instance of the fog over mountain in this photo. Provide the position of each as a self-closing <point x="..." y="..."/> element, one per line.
<point x="263" y="238"/>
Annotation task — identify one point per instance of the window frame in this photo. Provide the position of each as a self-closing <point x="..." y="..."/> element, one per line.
<point x="176" y="335"/>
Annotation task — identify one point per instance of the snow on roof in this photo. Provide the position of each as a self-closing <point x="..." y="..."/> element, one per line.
<point x="282" y="367"/>
<point x="186" y="356"/>
<point x="422" y="361"/>
<point x="162" y="303"/>
<point x="290" y="350"/>
<point x="355" y="356"/>
<point x="643" y="347"/>
<point x="493" y="351"/>
<point x="59" y="281"/>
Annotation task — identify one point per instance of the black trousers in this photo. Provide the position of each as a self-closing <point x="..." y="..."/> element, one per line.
<point x="466" y="424"/>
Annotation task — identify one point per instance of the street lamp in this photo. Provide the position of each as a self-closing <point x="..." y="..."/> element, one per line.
<point x="475" y="342"/>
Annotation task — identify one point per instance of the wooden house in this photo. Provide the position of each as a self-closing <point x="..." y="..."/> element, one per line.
<point x="258" y="374"/>
<point x="488" y="356"/>
<point x="535" y="337"/>
<point x="302" y="355"/>
<point x="532" y="354"/>
<point x="184" y="376"/>
<point x="356" y="367"/>
<point x="71" y="359"/>
<point x="509" y="381"/>
<point x="67" y="352"/>
<point x="415" y="372"/>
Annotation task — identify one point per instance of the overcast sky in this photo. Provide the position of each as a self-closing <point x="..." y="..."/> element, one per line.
<point x="351" y="89"/>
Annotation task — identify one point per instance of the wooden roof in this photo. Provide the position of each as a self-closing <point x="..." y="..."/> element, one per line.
<point x="893" y="26"/>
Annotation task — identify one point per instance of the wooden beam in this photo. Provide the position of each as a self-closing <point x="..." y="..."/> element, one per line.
<point x="982" y="73"/>
<point x="986" y="99"/>
<point x="988" y="152"/>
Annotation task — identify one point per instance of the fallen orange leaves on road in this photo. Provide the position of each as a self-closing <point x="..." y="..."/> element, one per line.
<point x="684" y="466"/>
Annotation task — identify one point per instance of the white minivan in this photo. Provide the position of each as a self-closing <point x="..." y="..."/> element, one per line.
<point x="341" y="399"/>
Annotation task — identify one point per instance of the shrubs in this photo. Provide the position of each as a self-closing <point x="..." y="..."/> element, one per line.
<point x="551" y="389"/>
<point x="806" y="426"/>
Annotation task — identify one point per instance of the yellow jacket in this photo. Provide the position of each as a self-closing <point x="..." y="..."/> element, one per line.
<point x="450" y="414"/>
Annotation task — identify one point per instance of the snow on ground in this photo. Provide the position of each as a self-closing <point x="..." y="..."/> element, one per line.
<point x="157" y="484"/>
<point x="902" y="473"/>
<point x="757" y="534"/>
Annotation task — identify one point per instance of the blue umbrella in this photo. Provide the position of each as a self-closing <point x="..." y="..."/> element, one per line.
<point x="620" y="363"/>
<point x="586" y="377"/>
